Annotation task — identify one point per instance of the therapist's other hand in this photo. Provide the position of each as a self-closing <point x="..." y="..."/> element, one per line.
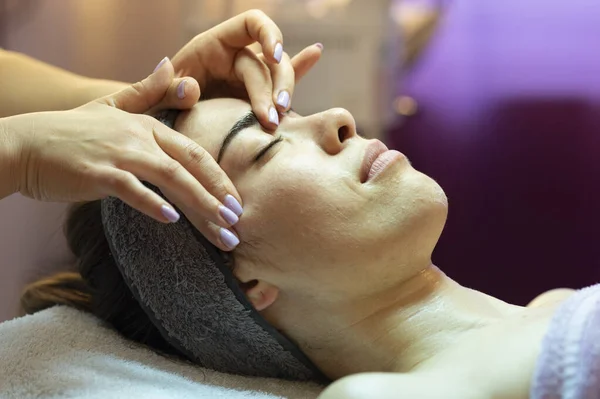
<point x="220" y="58"/>
<point x="106" y="148"/>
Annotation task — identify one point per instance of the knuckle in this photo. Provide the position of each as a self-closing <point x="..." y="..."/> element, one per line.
<point x="200" y="222"/>
<point x="264" y="70"/>
<point x="143" y="198"/>
<point x="134" y="127"/>
<point x="87" y="168"/>
<point x="133" y="138"/>
<point x="146" y="119"/>
<point x="256" y="14"/>
<point x="245" y="55"/>
<point x="212" y="182"/>
<point x="171" y="168"/>
<point x="146" y="123"/>
<point x="118" y="181"/>
<point x="196" y="154"/>
<point x="141" y="89"/>
<point x="257" y="71"/>
<point x="209" y="207"/>
<point x="218" y="188"/>
<point x="214" y="187"/>
<point x="138" y="87"/>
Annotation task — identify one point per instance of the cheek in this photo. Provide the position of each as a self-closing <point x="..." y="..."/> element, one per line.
<point x="301" y="202"/>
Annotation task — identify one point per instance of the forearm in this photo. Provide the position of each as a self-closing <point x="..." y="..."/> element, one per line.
<point x="29" y="85"/>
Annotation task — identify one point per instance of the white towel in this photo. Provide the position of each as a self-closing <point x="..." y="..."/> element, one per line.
<point x="64" y="353"/>
<point x="569" y="363"/>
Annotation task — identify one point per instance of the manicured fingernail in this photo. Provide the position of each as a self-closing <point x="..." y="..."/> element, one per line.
<point x="273" y="116"/>
<point x="170" y="213"/>
<point x="233" y="204"/>
<point x="161" y="63"/>
<point x="278" y="53"/>
<point x="228" y="215"/>
<point x="283" y="99"/>
<point x="319" y="45"/>
<point x="229" y="239"/>
<point x="181" y="90"/>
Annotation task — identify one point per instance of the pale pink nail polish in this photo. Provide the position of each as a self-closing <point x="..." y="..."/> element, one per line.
<point x="229" y="239"/>
<point x="161" y="63"/>
<point x="170" y="214"/>
<point x="278" y="53"/>
<point x="273" y="116"/>
<point x="233" y="204"/>
<point x="181" y="90"/>
<point x="229" y="216"/>
<point x="283" y="99"/>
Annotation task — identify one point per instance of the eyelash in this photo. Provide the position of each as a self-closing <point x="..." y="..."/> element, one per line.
<point x="266" y="148"/>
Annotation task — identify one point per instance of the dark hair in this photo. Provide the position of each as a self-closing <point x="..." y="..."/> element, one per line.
<point x="98" y="286"/>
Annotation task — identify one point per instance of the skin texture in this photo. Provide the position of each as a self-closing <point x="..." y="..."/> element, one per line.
<point x="344" y="267"/>
<point x="325" y="187"/>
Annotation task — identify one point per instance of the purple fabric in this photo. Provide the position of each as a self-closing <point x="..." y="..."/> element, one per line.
<point x="569" y="363"/>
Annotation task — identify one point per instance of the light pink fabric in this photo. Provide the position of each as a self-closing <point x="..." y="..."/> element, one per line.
<point x="569" y="364"/>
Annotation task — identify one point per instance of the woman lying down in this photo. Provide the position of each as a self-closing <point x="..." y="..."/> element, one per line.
<point x="332" y="277"/>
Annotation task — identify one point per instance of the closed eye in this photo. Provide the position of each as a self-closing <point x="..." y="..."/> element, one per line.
<point x="263" y="151"/>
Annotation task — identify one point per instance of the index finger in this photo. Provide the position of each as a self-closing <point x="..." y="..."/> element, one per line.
<point x="306" y="59"/>
<point x="249" y="27"/>
<point x="198" y="162"/>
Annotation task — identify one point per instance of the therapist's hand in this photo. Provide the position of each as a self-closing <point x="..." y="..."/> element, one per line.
<point x="220" y="60"/>
<point x="104" y="148"/>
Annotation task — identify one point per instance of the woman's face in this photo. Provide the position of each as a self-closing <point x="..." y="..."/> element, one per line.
<point x="312" y="225"/>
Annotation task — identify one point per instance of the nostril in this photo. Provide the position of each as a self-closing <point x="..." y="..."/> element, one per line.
<point x="343" y="133"/>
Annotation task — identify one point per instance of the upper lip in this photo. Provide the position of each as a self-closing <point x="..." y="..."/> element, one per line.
<point x="374" y="149"/>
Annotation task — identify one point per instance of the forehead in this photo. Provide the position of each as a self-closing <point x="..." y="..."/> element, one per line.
<point x="208" y="122"/>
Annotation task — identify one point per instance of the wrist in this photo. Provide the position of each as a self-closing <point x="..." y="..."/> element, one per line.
<point x="9" y="159"/>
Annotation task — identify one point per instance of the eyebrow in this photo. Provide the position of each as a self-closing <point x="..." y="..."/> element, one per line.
<point x="245" y="122"/>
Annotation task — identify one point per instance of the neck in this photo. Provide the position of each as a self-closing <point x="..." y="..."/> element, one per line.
<point x="400" y="329"/>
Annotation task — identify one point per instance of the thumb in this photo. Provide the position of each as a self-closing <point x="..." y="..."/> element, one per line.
<point x="141" y="96"/>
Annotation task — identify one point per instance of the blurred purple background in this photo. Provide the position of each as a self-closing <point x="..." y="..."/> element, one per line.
<point x="509" y="125"/>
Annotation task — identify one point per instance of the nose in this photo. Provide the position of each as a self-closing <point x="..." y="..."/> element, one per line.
<point x="332" y="129"/>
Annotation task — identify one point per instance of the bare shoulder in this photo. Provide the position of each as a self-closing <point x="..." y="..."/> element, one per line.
<point x="551" y="297"/>
<point x="419" y="385"/>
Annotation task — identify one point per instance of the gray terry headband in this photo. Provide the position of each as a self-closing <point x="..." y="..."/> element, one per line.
<point x="188" y="290"/>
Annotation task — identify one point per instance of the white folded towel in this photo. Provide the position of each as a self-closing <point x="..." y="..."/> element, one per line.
<point x="65" y="353"/>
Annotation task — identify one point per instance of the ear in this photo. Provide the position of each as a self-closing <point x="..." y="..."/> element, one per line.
<point x="260" y="293"/>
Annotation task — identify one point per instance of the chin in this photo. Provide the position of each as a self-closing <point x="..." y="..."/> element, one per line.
<point x="429" y="195"/>
<point x="437" y="194"/>
<point x="420" y="211"/>
<point x="417" y="186"/>
<point x="410" y="203"/>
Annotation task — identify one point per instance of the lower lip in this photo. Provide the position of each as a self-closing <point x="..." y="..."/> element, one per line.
<point x="383" y="161"/>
